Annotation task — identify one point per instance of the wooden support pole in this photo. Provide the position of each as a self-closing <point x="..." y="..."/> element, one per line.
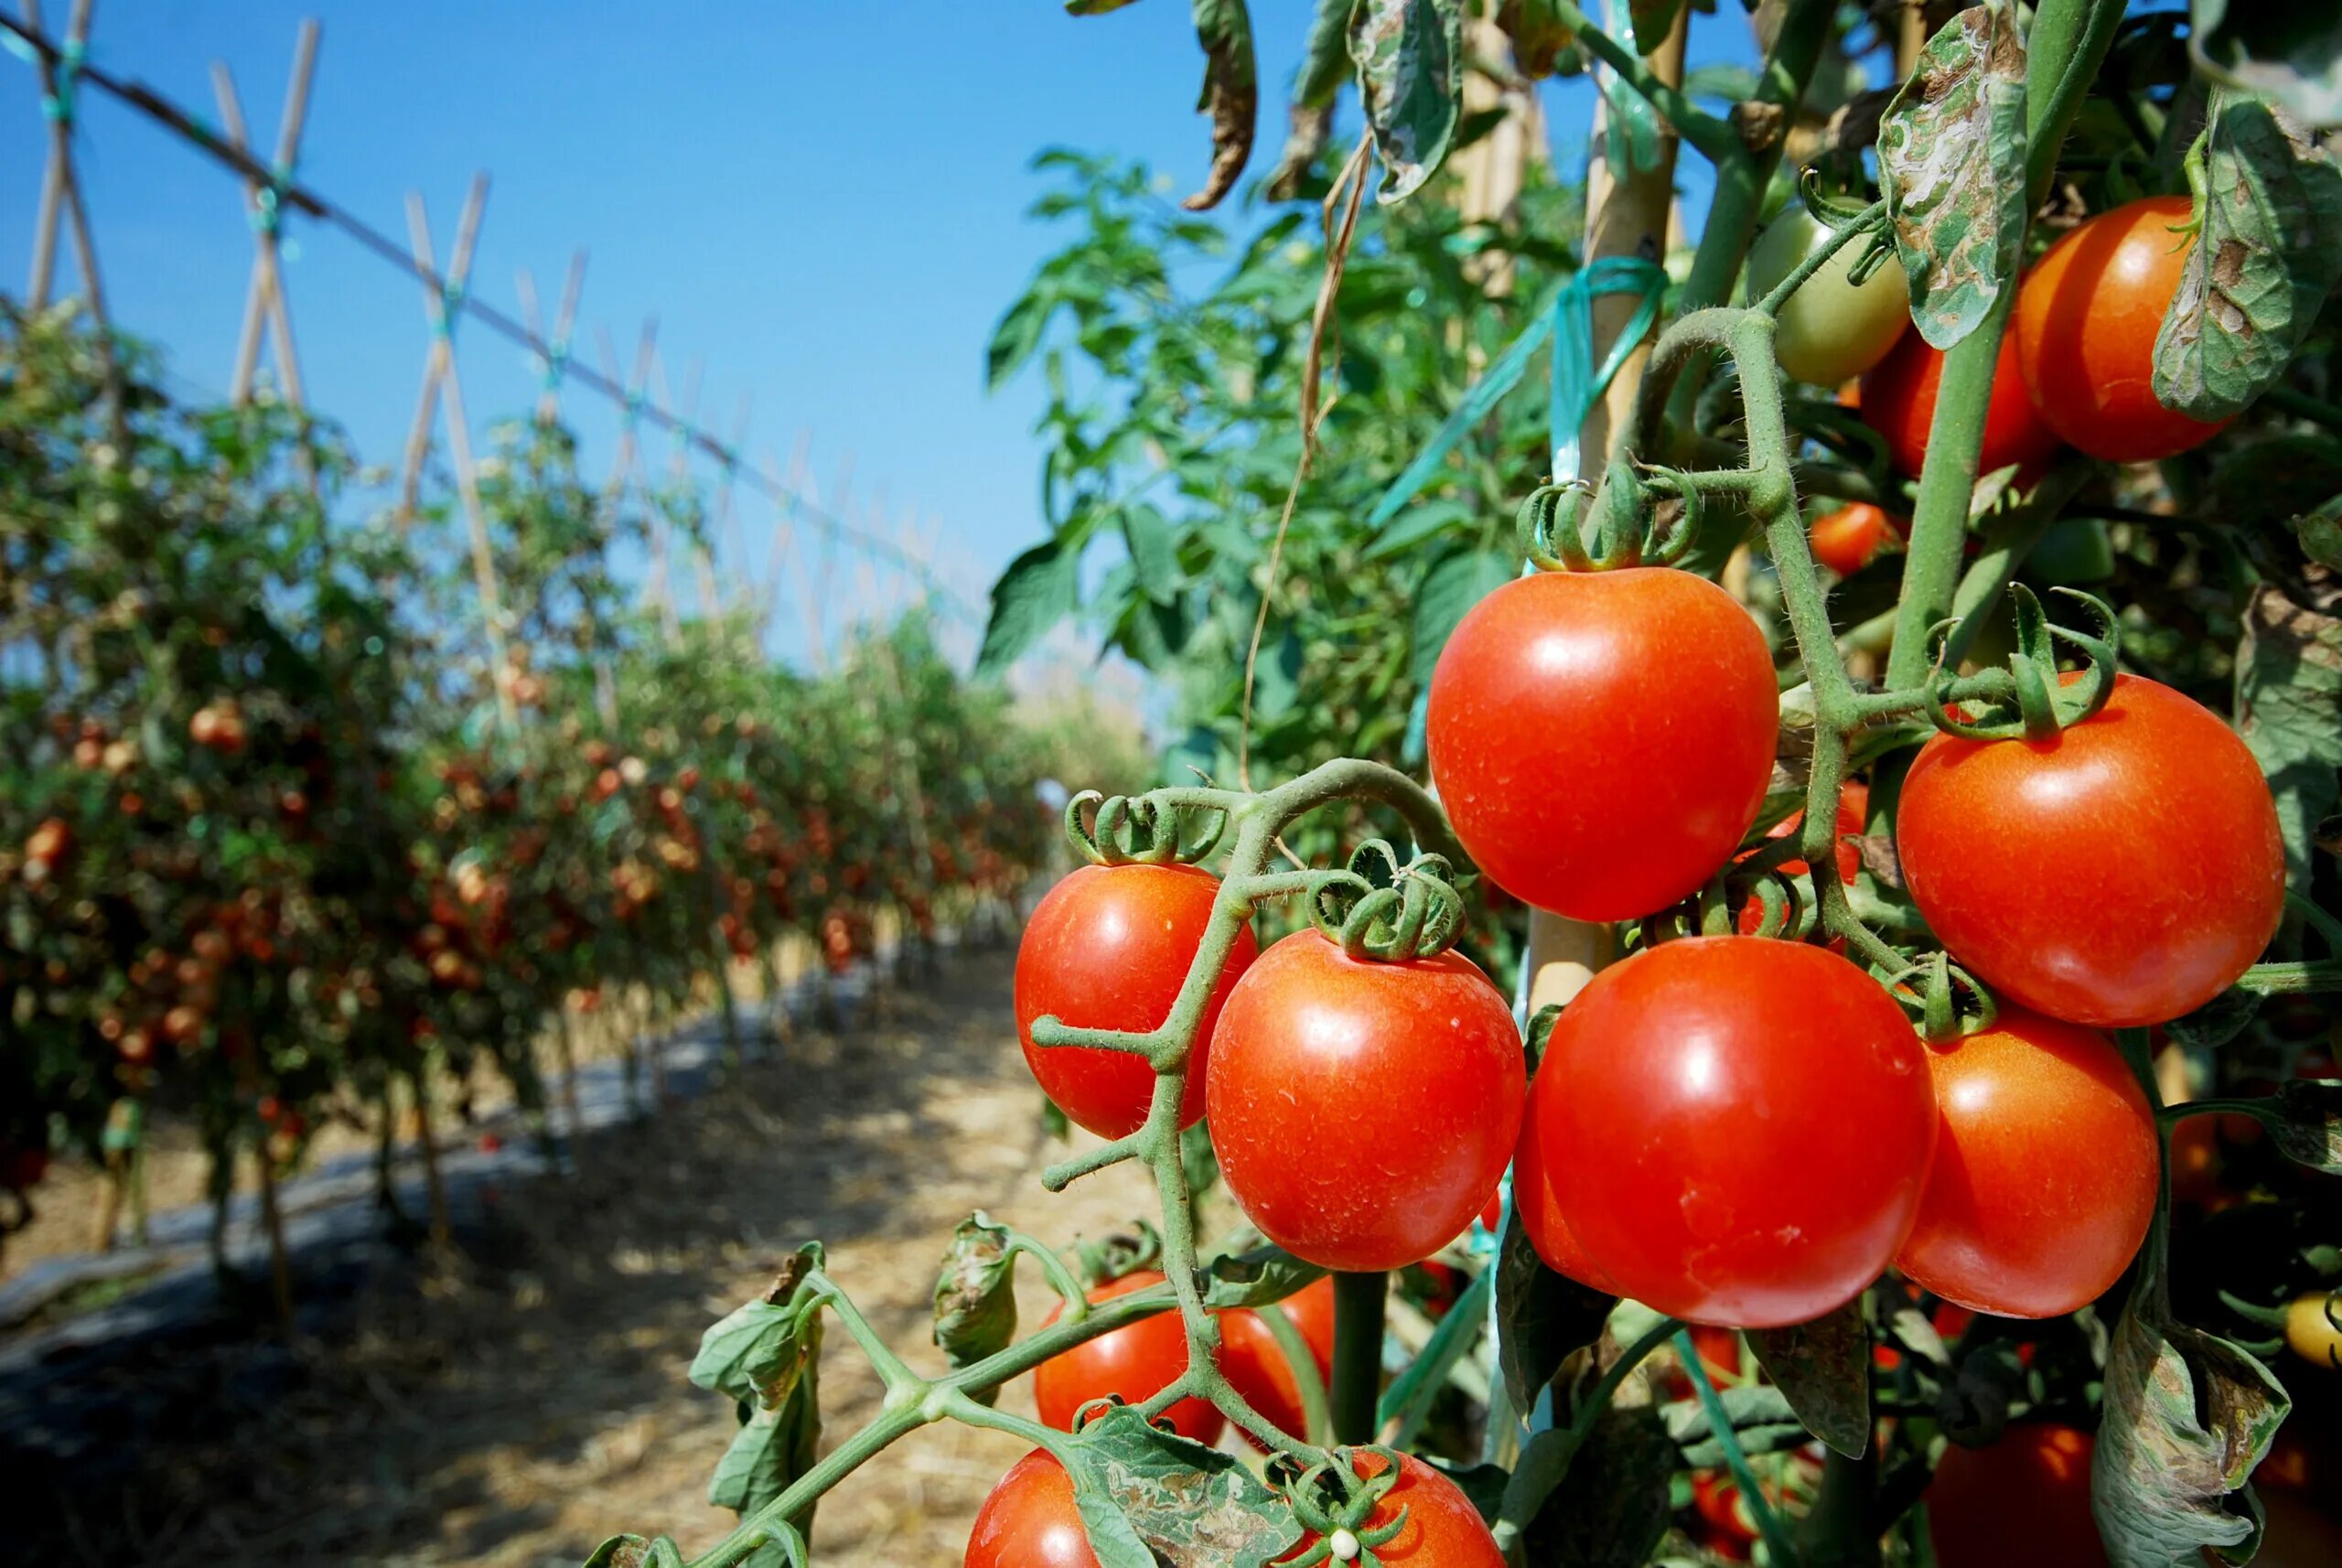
<point x="265" y="300"/>
<point x="441" y="377"/>
<point x="61" y="191"/>
<point x="638" y="386"/>
<point x="724" y="530"/>
<point x="555" y="357"/>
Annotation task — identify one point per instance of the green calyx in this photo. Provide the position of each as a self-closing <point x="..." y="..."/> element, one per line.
<point x="1382" y="912"/>
<point x="1333" y="1502"/>
<point x="2028" y="700"/>
<point x="1629" y="522"/>
<point x="1140" y="830"/>
<point x="1951" y="1003"/>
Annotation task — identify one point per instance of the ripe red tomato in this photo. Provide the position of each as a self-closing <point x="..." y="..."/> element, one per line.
<point x="1363" y="1112"/>
<point x="1030" y="1520"/>
<point x="2121" y="873"/>
<point x="1137" y="1362"/>
<point x="2045" y="1172"/>
<point x="1854" y="812"/>
<point x="1845" y="540"/>
<point x="2023" y="1499"/>
<point x="1442" y="1530"/>
<point x="1673" y="678"/>
<point x="1252" y="1361"/>
<point x="2086" y="317"/>
<point x="1898" y="401"/>
<point x="1739" y="1131"/>
<point x="1109" y="949"/>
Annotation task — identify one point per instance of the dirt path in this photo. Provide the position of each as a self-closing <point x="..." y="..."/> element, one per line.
<point x="518" y="1406"/>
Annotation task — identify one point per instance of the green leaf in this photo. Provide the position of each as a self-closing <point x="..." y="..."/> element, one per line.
<point x="2289" y="704"/>
<point x="1155" y="552"/>
<point x="1455" y="581"/>
<point x="1039" y="588"/>
<point x="1094" y="7"/>
<point x="1543" y="45"/>
<point x="2308" y="1125"/>
<point x="1017" y="335"/>
<point x="1324" y="57"/>
<point x="774" y="1445"/>
<point x="1951" y="152"/>
<point x="1823" y="1368"/>
<point x="1232" y="94"/>
<point x="1139" y="1488"/>
<point x="1612" y="1506"/>
<point x="2257" y="274"/>
<point x="2167" y="1481"/>
<point x="2320" y="532"/>
<point x="1276" y="679"/>
<point x="1653" y="20"/>
<point x="975" y="1295"/>
<point x="1410" y="59"/>
<point x="1260" y="1277"/>
<point x="2218" y="1022"/>
<point x="756" y="1354"/>
<point x="1760" y="1416"/>
<point x="2294" y="53"/>
<point x="1541" y="1316"/>
<point x="1426" y="522"/>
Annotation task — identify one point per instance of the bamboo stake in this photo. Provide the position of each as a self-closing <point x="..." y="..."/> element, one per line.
<point x="265" y="300"/>
<point x="427" y="1141"/>
<point x="725" y="529"/>
<point x="1626" y="214"/>
<point x="61" y="191"/>
<point x="440" y="375"/>
<point x="272" y="1213"/>
<point x="637" y="387"/>
<point x="556" y="355"/>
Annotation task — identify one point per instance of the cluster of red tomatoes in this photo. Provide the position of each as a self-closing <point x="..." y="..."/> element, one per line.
<point x="2076" y="369"/>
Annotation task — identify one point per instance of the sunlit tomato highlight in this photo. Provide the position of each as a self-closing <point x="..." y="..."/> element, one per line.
<point x="2086" y="322"/>
<point x="1737" y="1130"/>
<point x="2044" y="1170"/>
<point x="1109" y="949"/>
<point x="1601" y="740"/>
<point x="1363" y="1112"/>
<point x="2120" y="873"/>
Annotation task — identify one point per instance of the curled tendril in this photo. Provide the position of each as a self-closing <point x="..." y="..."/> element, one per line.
<point x="1833" y="213"/>
<point x="2032" y="702"/>
<point x="1141" y="829"/>
<point x="1568" y="527"/>
<point x="1936" y="987"/>
<point x="1379" y="909"/>
<point x="1333" y="1501"/>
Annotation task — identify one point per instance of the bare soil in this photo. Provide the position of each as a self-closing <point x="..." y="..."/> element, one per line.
<point x="517" y="1402"/>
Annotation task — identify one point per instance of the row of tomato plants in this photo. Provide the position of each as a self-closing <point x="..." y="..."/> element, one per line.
<point x="279" y="837"/>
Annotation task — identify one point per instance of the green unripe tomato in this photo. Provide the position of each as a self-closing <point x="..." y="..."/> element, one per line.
<point x="1830" y="330"/>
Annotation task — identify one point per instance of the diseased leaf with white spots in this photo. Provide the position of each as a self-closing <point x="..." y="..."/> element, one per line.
<point x="2267" y="256"/>
<point x="1410" y="59"/>
<point x="1142" y="1488"/>
<point x="2167" y="1483"/>
<point x="2309" y="1123"/>
<point x="2289" y="703"/>
<point x="1952" y="154"/>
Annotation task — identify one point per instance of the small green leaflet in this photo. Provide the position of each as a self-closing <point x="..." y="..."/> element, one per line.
<point x="756" y="1353"/>
<point x="975" y="1294"/>
<point x="2257" y="274"/>
<point x="2164" y="1482"/>
<point x="1951" y="152"/>
<point x="1410" y="59"/>
<point x="634" y="1552"/>
<point x="1258" y="1278"/>
<point x="1148" y="1497"/>
<point x="1541" y="1316"/>
<point x="1653" y="20"/>
<point x="2308" y="1126"/>
<point x="1232" y="94"/>
<point x="1823" y="1367"/>
<point x="1039" y="588"/>
<point x="2294" y="53"/>
<point x="1456" y="580"/>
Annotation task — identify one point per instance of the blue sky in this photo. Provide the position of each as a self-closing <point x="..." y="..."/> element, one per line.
<point x="822" y="202"/>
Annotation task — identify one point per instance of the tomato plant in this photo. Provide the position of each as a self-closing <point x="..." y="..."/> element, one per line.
<point x="1362" y="1110"/>
<point x="2121" y="873"/>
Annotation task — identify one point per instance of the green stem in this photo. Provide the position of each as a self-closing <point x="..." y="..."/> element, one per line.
<point x="1359" y="1302"/>
<point x="2292" y="979"/>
